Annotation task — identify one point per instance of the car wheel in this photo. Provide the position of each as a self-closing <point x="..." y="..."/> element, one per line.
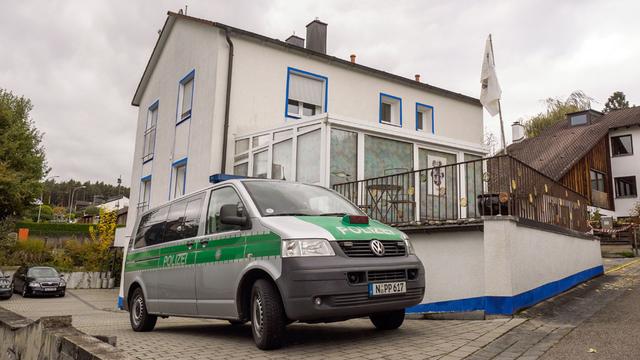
<point x="389" y="320"/>
<point x="6" y="297"/>
<point x="140" y="319"/>
<point x="62" y="294"/>
<point x="24" y="291"/>
<point x="267" y="316"/>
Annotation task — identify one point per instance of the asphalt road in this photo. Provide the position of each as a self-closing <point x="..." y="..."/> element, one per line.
<point x="613" y="332"/>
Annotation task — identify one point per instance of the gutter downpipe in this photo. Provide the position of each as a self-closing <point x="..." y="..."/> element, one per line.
<point x="227" y="103"/>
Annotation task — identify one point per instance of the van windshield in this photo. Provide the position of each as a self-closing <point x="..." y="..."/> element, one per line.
<point x="279" y="198"/>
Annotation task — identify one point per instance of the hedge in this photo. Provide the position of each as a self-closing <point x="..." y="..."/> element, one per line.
<point x="55" y="228"/>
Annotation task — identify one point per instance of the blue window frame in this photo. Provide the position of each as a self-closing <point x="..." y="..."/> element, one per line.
<point x="425" y="119"/>
<point x="306" y="94"/>
<point x="186" y="88"/>
<point x="178" y="181"/>
<point x="390" y="110"/>
<point x="149" y="143"/>
<point x="145" y="194"/>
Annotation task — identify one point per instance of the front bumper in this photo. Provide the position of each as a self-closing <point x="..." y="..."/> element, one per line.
<point x="306" y="278"/>
<point x="39" y="291"/>
<point x="6" y="292"/>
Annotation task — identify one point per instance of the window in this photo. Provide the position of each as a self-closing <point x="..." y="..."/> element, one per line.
<point x="145" y="194"/>
<point x="241" y="169"/>
<point x="282" y="160"/>
<point x="621" y="145"/>
<point x="580" y="119"/>
<point x="179" y="179"/>
<point x="150" y="133"/>
<point x="597" y="181"/>
<point x="626" y="186"/>
<point x="386" y="157"/>
<point x="424" y="118"/>
<point x="390" y="110"/>
<point x="306" y="94"/>
<point x="223" y="196"/>
<point x="344" y="156"/>
<point x="260" y="164"/>
<point x="183" y="219"/>
<point x="308" y="157"/>
<point x="185" y="98"/>
<point x="151" y="228"/>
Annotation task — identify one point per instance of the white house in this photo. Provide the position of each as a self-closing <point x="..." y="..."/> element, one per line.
<point x="625" y="162"/>
<point x="116" y="203"/>
<point x="217" y="99"/>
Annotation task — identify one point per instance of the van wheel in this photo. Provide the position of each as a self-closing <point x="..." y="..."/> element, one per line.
<point x="140" y="319"/>
<point x="389" y="320"/>
<point x="267" y="316"/>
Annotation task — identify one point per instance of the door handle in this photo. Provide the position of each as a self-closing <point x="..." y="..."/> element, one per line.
<point x="204" y="243"/>
<point x="190" y="244"/>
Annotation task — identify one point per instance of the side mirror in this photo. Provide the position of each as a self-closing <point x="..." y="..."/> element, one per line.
<point x="230" y="215"/>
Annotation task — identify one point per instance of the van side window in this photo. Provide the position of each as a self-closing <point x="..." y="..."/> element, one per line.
<point x="223" y="196"/>
<point x="192" y="217"/>
<point x="151" y="228"/>
<point x="175" y="221"/>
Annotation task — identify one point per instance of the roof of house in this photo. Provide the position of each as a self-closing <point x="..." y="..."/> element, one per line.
<point x="557" y="149"/>
<point x="171" y="18"/>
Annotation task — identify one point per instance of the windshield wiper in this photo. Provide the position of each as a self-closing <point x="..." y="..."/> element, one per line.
<point x="334" y="214"/>
<point x="290" y="214"/>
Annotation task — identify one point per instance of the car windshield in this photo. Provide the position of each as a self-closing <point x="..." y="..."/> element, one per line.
<point x="279" y="198"/>
<point x="42" y="272"/>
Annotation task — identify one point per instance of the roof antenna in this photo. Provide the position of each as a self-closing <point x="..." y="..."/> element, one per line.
<point x="186" y="7"/>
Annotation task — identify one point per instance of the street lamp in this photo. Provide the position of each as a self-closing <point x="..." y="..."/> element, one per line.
<point x="71" y="199"/>
<point x="42" y="197"/>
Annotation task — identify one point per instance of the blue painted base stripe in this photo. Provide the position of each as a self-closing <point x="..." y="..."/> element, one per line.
<point x="508" y="305"/>
<point x="120" y="303"/>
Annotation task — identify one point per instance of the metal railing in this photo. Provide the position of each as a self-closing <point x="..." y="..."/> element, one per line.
<point x="466" y="191"/>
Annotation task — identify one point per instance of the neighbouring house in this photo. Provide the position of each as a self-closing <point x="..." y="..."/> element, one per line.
<point x="591" y="153"/>
<point x="114" y="203"/>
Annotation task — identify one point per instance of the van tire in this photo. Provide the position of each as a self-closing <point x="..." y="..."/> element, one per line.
<point x="389" y="320"/>
<point x="267" y="315"/>
<point x="140" y="319"/>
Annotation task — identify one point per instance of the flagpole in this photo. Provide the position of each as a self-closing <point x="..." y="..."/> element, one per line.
<point x="493" y="58"/>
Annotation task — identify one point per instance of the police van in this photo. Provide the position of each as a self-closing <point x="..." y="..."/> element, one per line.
<point x="269" y="252"/>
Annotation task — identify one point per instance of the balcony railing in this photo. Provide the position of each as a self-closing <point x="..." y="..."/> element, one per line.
<point x="466" y="191"/>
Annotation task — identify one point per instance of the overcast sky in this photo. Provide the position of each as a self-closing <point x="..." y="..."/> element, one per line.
<point x="80" y="61"/>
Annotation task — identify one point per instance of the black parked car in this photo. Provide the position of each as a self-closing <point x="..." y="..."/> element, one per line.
<point x="6" y="287"/>
<point x="38" y="280"/>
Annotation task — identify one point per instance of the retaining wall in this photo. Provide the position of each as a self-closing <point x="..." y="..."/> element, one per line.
<point x="49" y="338"/>
<point x="502" y="266"/>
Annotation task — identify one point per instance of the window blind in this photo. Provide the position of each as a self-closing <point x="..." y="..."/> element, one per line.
<point x="306" y="89"/>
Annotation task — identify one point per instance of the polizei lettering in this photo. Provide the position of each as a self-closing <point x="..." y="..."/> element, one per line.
<point x="363" y="230"/>
<point x="175" y="260"/>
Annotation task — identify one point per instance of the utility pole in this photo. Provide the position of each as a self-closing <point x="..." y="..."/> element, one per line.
<point x="71" y="199"/>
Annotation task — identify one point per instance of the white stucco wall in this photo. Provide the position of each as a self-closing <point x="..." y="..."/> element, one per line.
<point x="628" y="165"/>
<point x="503" y="268"/>
<point x="453" y="262"/>
<point x="521" y="258"/>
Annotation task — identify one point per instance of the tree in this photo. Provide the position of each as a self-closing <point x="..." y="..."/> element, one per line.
<point x="556" y="112"/>
<point x="617" y="101"/>
<point x="22" y="158"/>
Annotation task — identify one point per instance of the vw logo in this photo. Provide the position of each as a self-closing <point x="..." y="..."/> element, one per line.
<point x="377" y="247"/>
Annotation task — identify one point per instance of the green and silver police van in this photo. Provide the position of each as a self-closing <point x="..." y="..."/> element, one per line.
<point x="269" y="252"/>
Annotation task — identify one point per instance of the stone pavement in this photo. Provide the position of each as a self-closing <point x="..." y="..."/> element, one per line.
<point x="180" y="338"/>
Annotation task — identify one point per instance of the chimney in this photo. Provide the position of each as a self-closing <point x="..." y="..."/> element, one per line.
<point x="295" y="40"/>
<point x="317" y="36"/>
<point x="417" y="77"/>
<point x="517" y="132"/>
<point x="353" y="58"/>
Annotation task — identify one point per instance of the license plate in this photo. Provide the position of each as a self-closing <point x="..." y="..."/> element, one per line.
<point x="50" y="289"/>
<point x="389" y="288"/>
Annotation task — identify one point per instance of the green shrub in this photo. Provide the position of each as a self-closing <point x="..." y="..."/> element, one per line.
<point x="50" y="229"/>
<point x="30" y="252"/>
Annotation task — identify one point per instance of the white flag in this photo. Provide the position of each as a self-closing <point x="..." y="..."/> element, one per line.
<point x="490" y="92"/>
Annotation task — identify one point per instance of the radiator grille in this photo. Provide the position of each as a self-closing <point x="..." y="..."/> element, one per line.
<point x="387" y="275"/>
<point x="363" y="249"/>
<point x="363" y="298"/>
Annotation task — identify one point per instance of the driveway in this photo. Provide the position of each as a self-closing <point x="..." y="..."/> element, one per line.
<point x="93" y="312"/>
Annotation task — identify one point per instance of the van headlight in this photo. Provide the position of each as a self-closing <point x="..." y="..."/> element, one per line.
<point x="407" y="245"/>
<point x="306" y="247"/>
